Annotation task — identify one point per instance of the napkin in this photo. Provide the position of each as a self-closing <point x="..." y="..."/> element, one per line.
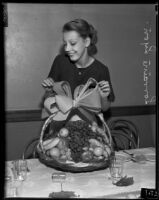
<point x="125" y="181"/>
<point x="140" y="158"/>
<point x="63" y="194"/>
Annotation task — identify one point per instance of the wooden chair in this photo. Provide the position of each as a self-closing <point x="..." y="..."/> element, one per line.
<point x="125" y="134"/>
<point x="30" y="149"/>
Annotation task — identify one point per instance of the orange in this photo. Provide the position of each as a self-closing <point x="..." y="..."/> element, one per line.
<point x="54" y="152"/>
<point x="98" y="151"/>
<point x="63" y="132"/>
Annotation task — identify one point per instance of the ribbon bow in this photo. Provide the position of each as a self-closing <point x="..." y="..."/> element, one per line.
<point x="86" y="99"/>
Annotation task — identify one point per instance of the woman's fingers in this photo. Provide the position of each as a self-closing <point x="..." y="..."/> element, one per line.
<point x="48" y="82"/>
<point x="104" y="87"/>
<point x="103" y="83"/>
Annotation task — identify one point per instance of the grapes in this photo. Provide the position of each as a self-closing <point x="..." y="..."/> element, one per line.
<point x="79" y="135"/>
<point x="77" y="140"/>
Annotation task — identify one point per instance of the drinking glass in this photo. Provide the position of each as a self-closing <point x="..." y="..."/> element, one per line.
<point x="20" y="167"/>
<point x="13" y="187"/>
<point x="59" y="177"/>
<point x="116" y="169"/>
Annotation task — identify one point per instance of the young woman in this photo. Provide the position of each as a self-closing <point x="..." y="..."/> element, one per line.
<point x="78" y="63"/>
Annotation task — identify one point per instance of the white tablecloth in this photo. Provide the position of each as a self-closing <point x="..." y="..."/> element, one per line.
<point x="90" y="184"/>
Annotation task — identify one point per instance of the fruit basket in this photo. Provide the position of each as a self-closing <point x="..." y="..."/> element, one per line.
<point x="81" y="144"/>
<point x="76" y="147"/>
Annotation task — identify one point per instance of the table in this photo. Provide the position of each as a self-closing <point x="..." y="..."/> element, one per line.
<point x="95" y="184"/>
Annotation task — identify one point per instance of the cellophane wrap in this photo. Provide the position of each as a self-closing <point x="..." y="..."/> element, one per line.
<point x="80" y="143"/>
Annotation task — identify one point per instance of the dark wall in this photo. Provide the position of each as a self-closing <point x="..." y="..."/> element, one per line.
<point x="18" y="135"/>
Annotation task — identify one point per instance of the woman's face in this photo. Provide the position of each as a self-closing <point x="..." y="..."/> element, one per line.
<point x="74" y="45"/>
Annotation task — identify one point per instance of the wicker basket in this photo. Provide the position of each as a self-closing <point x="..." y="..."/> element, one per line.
<point x="70" y="166"/>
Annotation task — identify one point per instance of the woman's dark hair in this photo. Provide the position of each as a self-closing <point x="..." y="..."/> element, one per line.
<point x="85" y="30"/>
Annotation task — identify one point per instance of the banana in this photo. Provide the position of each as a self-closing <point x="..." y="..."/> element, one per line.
<point x="52" y="143"/>
<point x="47" y="142"/>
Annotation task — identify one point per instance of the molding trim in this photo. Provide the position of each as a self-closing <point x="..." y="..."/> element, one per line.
<point x="35" y="115"/>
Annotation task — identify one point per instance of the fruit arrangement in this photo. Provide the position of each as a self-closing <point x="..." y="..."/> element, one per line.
<point x="78" y="141"/>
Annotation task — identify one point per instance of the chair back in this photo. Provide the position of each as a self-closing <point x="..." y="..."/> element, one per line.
<point x="30" y="149"/>
<point x="125" y="134"/>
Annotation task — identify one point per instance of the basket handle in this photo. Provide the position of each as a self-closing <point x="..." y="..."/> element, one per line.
<point x="49" y="119"/>
<point x="106" y="128"/>
<point x="54" y="114"/>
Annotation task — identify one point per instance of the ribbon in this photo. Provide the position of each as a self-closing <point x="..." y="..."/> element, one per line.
<point x="85" y="98"/>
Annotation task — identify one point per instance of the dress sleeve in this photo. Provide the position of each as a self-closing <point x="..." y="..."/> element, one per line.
<point x="55" y="69"/>
<point x="106" y="76"/>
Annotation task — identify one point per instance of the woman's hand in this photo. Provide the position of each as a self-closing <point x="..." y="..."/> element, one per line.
<point x="104" y="88"/>
<point x="48" y="84"/>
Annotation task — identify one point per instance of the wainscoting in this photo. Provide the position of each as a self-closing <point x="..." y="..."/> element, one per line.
<point x="35" y="115"/>
<point x="24" y="125"/>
